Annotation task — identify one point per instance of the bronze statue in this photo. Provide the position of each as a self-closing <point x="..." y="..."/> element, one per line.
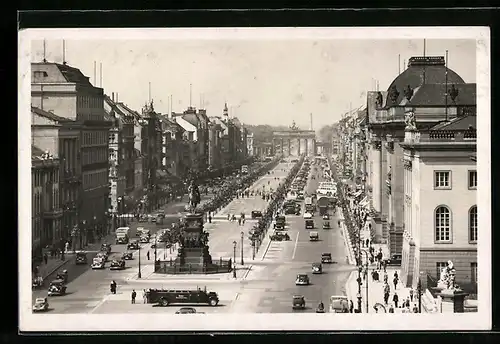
<point x="408" y="92"/>
<point x="294" y="126"/>
<point x="194" y="196"/>
<point x="379" y="100"/>
<point x="393" y="94"/>
<point x="453" y="92"/>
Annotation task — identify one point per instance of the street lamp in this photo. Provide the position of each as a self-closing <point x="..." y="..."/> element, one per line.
<point x="139" y="275"/>
<point x="367" y="278"/>
<point x="234" y="258"/>
<point x="419" y="291"/>
<point x="359" y="288"/>
<point x="242" y="236"/>
<point x="156" y="236"/>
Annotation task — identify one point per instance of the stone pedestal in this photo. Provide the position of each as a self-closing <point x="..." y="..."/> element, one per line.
<point x="193" y="250"/>
<point x="452" y="301"/>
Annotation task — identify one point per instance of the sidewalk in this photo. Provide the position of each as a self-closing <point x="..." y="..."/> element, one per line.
<point x="347" y="240"/>
<point x="376" y="291"/>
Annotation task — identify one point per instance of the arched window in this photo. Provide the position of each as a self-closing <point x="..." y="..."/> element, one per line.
<point x="442" y="224"/>
<point x="473" y="224"/>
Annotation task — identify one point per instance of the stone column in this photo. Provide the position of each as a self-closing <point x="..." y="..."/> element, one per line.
<point x="314" y="147"/>
<point x="298" y="149"/>
<point x="282" y="144"/>
<point x="307" y="146"/>
<point x="289" y="148"/>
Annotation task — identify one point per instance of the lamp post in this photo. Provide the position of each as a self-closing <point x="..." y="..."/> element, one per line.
<point x="367" y="278"/>
<point x="156" y="236"/>
<point x="242" y="236"/>
<point x="139" y="275"/>
<point x="419" y="291"/>
<point x="234" y="258"/>
<point x="359" y="288"/>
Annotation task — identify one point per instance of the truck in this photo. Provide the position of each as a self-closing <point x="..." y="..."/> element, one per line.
<point x="164" y="297"/>
<point x="309" y="205"/>
<point x="122" y="235"/>
<point x="323" y="205"/>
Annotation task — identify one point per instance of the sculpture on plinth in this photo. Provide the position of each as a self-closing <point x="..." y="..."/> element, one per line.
<point x="410" y="121"/>
<point x="447" y="278"/>
<point x="194" y="196"/>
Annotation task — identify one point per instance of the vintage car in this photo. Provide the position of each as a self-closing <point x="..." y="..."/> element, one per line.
<point x="298" y="302"/>
<point x="144" y="239"/>
<point x="307" y="216"/>
<point x="139" y="231"/>
<point x="134" y="245"/>
<point x="186" y="310"/>
<point x="57" y="288"/>
<point x="339" y="304"/>
<point x="63" y="276"/>
<point x="309" y="224"/>
<point x="302" y="279"/>
<point x="317" y="268"/>
<point x="279" y="222"/>
<point x="41" y="304"/>
<point x="326" y="217"/>
<point x="127" y="256"/>
<point x="395" y="260"/>
<point x="81" y="258"/>
<point x="256" y="214"/>
<point x="326" y="258"/>
<point x="106" y="248"/>
<point x="326" y="225"/>
<point x="279" y="236"/>
<point x="98" y="263"/>
<point x="117" y="264"/>
<point x="103" y="255"/>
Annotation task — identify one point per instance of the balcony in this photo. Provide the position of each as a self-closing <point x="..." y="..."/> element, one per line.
<point x="53" y="213"/>
<point x="437" y="136"/>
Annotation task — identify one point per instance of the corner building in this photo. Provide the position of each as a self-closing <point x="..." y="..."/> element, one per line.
<point x="64" y="90"/>
<point x="422" y="88"/>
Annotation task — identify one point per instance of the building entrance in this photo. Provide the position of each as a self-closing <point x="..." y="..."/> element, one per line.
<point x="294" y="142"/>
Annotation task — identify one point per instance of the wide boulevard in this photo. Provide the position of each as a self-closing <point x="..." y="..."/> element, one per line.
<point x="265" y="282"/>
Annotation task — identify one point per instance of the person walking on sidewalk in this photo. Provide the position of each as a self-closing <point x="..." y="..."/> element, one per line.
<point x="134" y="294"/>
<point x="209" y="217"/>
<point x="391" y="308"/>
<point x="351" y="306"/>
<point x="395" y="299"/>
<point x="411" y="294"/>
<point x="386" y="293"/>
<point x="395" y="280"/>
<point x="45" y="258"/>
<point x="147" y="255"/>
<point x="367" y="242"/>
<point x="386" y="277"/>
<point x="407" y="303"/>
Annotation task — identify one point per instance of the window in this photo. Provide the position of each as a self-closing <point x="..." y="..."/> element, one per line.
<point x="472" y="179"/>
<point x="442" y="179"/>
<point x="473" y="224"/>
<point x="440" y="266"/>
<point x="442" y="224"/>
<point x="473" y="272"/>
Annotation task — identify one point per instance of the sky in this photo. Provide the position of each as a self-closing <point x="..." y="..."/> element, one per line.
<point x="273" y="82"/>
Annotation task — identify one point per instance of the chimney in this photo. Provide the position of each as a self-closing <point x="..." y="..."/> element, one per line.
<point x="113" y="97"/>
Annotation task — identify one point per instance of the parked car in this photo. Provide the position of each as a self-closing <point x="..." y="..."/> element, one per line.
<point x="395" y="260"/>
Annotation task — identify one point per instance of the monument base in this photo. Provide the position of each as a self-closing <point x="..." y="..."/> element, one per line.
<point x="452" y="301"/>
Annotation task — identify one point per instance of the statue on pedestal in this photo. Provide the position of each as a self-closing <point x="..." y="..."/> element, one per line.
<point x="194" y="196"/>
<point x="410" y="121"/>
<point x="447" y="278"/>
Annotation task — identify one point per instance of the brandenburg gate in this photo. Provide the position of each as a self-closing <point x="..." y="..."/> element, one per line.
<point x="294" y="142"/>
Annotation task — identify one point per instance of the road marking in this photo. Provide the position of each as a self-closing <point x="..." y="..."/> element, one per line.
<point x="295" y="247"/>
<point x="99" y="304"/>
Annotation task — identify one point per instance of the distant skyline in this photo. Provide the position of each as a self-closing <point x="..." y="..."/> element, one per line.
<point x="271" y="82"/>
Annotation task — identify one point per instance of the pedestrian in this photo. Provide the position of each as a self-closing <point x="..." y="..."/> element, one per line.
<point x="45" y="258"/>
<point x="351" y="306"/>
<point x="395" y="299"/>
<point x="239" y="221"/>
<point x="367" y="242"/>
<point x="407" y="302"/>
<point x="209" y="218"/>
<point x="147" y="255"/>
<point x="411" y="294"/>
<point x="229" y="217"/>
<point x="386" y="277"/>
<point x="415" y="308"/>
<point x="395" y="280"/>
<point x="391" y="308"/>
<point x="134" y="294"/>
<point x="384" y="264"/>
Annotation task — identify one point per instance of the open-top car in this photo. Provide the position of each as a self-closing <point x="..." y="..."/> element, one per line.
<point x="256" y="214"/>
<point x="326" y="225"/>
<point x="298" y="302"/>
<point x="127" y="255"/>
<point x="57" y="288"/>
<point x="144" y="239"/>
<point x="134" y="245"/>
<point x="326" y="258"/>
<point x="81" y="258"/>
<point x="41" y="304"/>
<point x="98" y="263"/>
<point x="103" y="255"/>
<point x="117" y="264"/>
<point x="279" y="236"/>
<point x="317" y="268"/>
<point x="302" y="279"/>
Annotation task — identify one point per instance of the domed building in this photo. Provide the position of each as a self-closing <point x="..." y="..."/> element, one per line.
<point x="423" y="96"/>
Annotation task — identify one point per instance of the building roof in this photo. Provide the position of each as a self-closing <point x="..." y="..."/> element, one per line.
<point x="50" y="115"/>
<point x="422" y="70"/>
<point x="61" y="72"/>
<point x="459" y="123"/>
<point x="191" y="118"/>
<point x="434" y="95"/>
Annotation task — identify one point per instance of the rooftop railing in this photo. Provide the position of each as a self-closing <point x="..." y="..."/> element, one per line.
<point x="469" y="135"/>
